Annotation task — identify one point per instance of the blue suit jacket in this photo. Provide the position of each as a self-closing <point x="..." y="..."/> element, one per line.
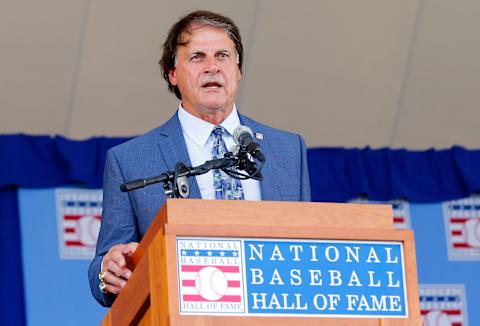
<point x="127" y="216"/>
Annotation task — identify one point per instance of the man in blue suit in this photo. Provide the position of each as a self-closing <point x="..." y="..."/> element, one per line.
<point x="201" y="62"/>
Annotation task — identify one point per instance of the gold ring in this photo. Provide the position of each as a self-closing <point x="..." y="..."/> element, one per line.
<point x="101" y="276"/>
<point x="103" y="287"/>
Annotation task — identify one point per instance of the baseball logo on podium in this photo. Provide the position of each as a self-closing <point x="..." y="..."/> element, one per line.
<point x="209" y="276"/>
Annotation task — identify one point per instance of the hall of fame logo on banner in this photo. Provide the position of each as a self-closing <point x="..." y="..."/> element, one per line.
<point x="401" y="211"/>
<point x="291" y="277"/>
<point x="209" y="276"/>
<point x="462" y="226"/>
<point x="443" y="305"/>
<point x="78" y="218"/>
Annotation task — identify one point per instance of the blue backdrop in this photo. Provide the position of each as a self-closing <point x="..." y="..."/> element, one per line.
<point x="337" y="174"/>
<point x="55" y="289"/>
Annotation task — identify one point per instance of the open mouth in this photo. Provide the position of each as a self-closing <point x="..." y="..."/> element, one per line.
<point x="212" y="85"/>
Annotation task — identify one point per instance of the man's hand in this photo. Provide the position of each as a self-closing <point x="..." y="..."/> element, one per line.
<point x="114" y="271"/>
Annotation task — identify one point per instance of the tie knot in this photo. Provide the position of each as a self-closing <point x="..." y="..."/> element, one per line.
<point x="217" y="131"/>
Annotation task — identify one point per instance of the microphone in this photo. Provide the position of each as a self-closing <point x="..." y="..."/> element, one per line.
<point x="243" y="136"/>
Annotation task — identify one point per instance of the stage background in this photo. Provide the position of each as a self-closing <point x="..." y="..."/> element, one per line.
<point x="395" y="74"/>
<point x="50" y="202"/>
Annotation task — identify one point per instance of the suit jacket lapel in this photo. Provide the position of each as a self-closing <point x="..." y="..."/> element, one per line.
<point x="269" y="186"/>
<point x="173" y="148"/>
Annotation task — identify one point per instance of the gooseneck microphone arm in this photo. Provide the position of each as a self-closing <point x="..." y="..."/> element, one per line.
<point x="169" y="176"/>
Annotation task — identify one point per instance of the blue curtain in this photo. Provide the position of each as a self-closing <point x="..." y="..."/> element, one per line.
<point x="11" y="281"/>
<point x="336" y="174"/>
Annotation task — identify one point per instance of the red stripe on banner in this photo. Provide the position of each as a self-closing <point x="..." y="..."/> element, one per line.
<point x="446" y="311"/>
<point x="456" y="324"/>
<point x="398" y="220"/>
<point x="73" y="243"/>
<point x="233" y="284"/>
<point x="199" y="298"/>
<point x="458" y="219"/>
<point x="457" y="232"/>
<point x="69" y="230"/>
<point x="461" y="245"/>
<point x="452" y="311"/>
<point x="72" y="217"/>
<point x="188" y="282"/>
<point x="196" y="268"/>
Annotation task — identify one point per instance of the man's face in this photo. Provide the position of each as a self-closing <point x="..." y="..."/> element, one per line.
<point x="206" y="72"/>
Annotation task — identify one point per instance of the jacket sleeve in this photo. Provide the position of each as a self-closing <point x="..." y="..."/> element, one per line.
<point x="118" y="223"/>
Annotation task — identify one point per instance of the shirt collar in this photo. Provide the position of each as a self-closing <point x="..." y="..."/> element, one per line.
<point x="199" y="130"/>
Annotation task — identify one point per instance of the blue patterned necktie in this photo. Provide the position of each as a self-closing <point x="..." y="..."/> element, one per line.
<point x="226" y="187"/>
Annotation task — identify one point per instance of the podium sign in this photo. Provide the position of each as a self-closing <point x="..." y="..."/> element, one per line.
<point x="212" y="263"/>
<point x="290" y="277"/>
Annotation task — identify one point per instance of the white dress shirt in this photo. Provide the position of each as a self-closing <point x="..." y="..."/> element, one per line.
<point x="199" y="141"/>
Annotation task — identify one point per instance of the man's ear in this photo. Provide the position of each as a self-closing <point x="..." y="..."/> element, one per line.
<point x="172" y="76"/>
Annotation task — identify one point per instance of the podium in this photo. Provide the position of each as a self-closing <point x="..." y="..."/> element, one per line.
<point x="152" y="295"/>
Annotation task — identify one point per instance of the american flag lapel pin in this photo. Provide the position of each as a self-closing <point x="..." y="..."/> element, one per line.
<point x="259" y="135"/>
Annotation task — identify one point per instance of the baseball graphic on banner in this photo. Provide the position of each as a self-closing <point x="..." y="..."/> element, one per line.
<point x="88" y="227"/>
<point x="437" y="318"/>
<point x="211" y="283"/>
<point x="472" y="232"/>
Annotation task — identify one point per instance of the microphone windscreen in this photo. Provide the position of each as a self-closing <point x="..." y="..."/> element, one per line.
<point x="239" y="132"/>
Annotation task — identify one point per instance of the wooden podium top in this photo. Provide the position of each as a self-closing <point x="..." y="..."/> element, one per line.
<point x="268" y="213"/>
